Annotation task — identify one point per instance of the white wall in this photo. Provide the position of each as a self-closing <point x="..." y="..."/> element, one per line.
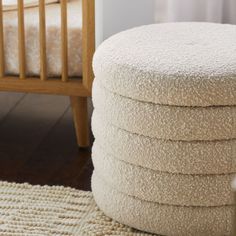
<point x="113" y="16"/>
<point x="219" y="11"/>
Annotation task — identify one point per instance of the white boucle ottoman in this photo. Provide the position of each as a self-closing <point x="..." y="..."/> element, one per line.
<point x="165" y="128"/>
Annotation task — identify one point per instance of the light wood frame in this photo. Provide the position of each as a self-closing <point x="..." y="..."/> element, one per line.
<point x="78" y="90"/>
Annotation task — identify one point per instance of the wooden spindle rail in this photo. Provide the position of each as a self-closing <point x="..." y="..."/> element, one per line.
<point x="42" y="40"/>
<point x="2" y="69"/>
<point x="21" y="39"/>
<point x="64" y="41"/>
<point x="78" y="89"/>
<point x="88" y="41"/>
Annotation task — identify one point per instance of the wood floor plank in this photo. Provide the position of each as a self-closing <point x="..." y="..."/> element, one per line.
<point x="54" y="153"/>
<point x="25" y="128"/>
<point x="8" y="101"/>
<point x="83" y="179"/>
<point x="70" y="174"/>
<point x="38" y="143"/>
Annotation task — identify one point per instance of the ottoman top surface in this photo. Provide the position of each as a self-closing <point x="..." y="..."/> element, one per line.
<point x="183" y="64"/>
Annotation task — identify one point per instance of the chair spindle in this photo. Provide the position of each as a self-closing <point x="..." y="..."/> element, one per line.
<point x="21" y="39"/>
<point x="42" y="40"/>
<point x="64" y="41"/>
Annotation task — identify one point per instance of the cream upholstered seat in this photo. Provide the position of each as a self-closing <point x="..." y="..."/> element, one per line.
<point x="165" y="128"/>
<point x="184" y="64"/>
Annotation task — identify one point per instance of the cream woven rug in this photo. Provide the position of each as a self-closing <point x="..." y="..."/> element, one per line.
<point x="27" y="210"/>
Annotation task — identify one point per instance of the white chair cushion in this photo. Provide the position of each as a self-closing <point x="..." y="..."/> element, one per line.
<point x="185" y="64"/>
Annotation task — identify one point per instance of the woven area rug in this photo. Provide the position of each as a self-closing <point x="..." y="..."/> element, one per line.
<point x="27" y="210"/>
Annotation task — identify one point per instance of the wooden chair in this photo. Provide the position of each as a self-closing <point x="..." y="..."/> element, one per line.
<point x="77" y="89"/>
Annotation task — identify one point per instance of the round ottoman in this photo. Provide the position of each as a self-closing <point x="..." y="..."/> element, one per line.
<point x="165" y="128"/>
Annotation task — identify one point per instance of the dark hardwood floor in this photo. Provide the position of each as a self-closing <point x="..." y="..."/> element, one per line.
<point x="38" y="143"/>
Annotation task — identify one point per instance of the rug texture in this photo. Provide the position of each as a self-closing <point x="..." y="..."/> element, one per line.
<point x="27" y="210"/>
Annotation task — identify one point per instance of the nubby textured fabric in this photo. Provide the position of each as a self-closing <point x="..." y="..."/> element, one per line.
<point x="165" y="128"/>
<point x="182" y="64"/>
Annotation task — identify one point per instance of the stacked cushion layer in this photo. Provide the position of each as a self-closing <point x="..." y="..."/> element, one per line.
<point x="163" y="187"/>
<point x="197" y="157"/>
<point x="165" y="128"/>
<point x="164" y="219"/>
<point x="165" y="122"/>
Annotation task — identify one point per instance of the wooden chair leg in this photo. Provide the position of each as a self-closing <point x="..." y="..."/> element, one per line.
<point x="80" y="116"/>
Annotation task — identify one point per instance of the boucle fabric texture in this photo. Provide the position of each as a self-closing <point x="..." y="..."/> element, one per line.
<point x="165" y="219"/>
<point x="197" y="157"/>
<point x="165" y="128"/>
<point x="163" y="187"/>
<point x="28" y="210"/>
<point x="184" y="64"/>
<point x="165" y="122"/>
<point x="53" y="40"/>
